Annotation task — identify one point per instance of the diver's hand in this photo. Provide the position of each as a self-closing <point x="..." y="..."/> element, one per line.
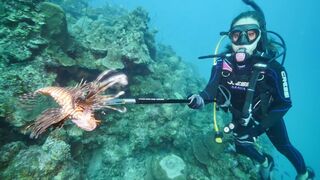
<point x="196" y="101"/>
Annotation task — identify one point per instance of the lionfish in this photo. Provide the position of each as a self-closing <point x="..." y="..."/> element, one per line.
<point x="78" y="103"/>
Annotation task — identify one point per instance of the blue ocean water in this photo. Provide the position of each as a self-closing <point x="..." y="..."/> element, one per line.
<point x="192" y="29"/>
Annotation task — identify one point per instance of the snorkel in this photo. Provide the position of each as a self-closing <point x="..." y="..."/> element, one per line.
<point x="263" y="25"/>
<point x="263" y="52"/>
<point x="264" y="38"/>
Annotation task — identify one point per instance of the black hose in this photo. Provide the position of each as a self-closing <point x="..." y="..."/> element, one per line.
<point x="282" y="44"/>
<point x="221" y="55"/>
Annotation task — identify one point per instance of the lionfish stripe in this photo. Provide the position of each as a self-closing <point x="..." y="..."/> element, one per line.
<point x="61" y="95"/>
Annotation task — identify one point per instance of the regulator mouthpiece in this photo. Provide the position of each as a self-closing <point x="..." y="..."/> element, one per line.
<point x="241" y="55"/>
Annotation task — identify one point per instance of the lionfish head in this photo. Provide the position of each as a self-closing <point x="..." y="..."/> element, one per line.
<point x="85" y="120"/>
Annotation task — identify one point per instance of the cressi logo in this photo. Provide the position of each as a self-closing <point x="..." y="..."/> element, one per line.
<point x="285" y="84"/>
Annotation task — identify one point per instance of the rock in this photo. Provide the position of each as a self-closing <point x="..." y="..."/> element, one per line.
<point x="37" y="43"/>
<point x="200" y="151"/>
<point x="112" y="61"/>
<point x="21" y="23"/>
<point x="215" y="150"/>
<point x="239" y="174"/>
<point x="65" y="60"/>
<point x="20" y="54"/>
<point x="99" y="53"/>
<point x="169" y="167"/>
<point x="55" y="27"/>
<point x="51" y="160"/>
<point x="2" y="10"/>
<point x="56" y="149"/>
<point x="9" y="151"/>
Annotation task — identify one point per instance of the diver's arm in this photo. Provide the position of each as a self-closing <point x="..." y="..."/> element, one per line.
<point x="210" y="90"/>
<point x="278" y="79"/>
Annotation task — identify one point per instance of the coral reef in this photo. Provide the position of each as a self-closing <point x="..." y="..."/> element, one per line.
<point x="169" y="167"/>
<point x="60" y="42"/>
<point x="55" y="27"/>
<point x="20" y="31"/>
<point x="52" y="159"/>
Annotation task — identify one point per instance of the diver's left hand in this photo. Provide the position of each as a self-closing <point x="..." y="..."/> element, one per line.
<point x="196" y="101"/>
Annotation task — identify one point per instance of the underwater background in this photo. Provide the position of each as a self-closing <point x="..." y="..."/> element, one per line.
<point x="156" y="44"/>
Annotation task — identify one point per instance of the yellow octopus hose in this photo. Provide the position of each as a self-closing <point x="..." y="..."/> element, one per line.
<point x="218" y="136"/>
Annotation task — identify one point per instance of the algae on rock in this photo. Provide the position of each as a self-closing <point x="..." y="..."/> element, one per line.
<point x="51" y="160"/>
<point x="55" y="22"/>
<point x="22" y="23"/>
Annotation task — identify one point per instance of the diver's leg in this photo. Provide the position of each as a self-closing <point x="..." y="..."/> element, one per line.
<point x="248" y="149"/>
<point x="279" y="138"/>
<point x="265" y="160"/>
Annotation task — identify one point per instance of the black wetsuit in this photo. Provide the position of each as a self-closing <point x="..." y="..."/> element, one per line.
<point x="270" y="103"/>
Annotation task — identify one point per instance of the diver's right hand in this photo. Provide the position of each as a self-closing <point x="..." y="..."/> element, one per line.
<point x="196" y="101"/>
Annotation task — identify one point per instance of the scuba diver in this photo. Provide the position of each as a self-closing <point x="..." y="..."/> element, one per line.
<point x="259" y="91"/>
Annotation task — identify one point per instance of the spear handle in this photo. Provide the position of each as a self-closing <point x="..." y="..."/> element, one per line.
<point x="150" y="101"/>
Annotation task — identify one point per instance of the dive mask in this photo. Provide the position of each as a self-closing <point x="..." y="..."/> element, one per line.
<point x="244" y="34"/>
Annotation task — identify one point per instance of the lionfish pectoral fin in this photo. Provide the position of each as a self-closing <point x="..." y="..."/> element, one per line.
<point x="47" y="118"/>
